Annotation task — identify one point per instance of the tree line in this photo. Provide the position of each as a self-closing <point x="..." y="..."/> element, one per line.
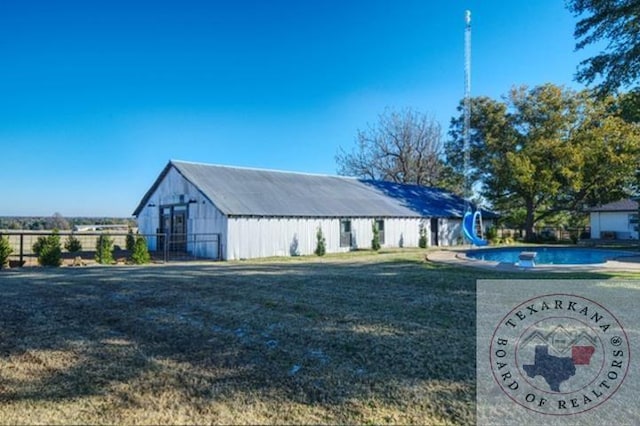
<point x="57" y="221"/>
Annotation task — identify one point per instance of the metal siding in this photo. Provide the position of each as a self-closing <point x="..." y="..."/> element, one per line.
<point x="401" y="232"/>
<point x="450" y="232"/>
<point x="148" y="223"/>
<point x="361" y="233"/>
<point x="264" y="237"/>
<point x="204" y="220"/>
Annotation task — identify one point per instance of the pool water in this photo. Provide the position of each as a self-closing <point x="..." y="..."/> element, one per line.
<point x="550" y="255"/>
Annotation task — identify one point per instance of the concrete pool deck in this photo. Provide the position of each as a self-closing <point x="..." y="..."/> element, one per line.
<point x="457" y="256"/>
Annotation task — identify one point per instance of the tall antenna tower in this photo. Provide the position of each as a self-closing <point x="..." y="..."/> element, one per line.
<point x="467" y="103"/>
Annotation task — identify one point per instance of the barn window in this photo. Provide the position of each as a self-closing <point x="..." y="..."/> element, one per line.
<point x="345" y="233"/>
<point x="380" y="226"/>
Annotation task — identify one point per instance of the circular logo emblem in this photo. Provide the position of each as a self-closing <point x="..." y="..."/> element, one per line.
<point x="559" y="354"/>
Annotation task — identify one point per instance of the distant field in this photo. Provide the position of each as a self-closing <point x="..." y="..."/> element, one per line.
<point x="361" y="338"/>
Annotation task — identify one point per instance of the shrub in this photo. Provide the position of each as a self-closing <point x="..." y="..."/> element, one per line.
<point x="422" y="241"/>
<point x="48" y="250"/>
<point x="131" y="240"/>
<point x="73" y="244"/>
<point x="5" y="251"/>
<point x="492" y="235"/>
<point x="140" y="253"/>
<point x="37" y="246"/>
<point x="506" y="240"/>
<point x="321" y="248"/>
<point x="375" y="241"/>
<point x="104" y="249"/>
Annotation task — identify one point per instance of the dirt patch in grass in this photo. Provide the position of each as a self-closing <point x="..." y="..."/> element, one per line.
<point x="382" y="338"/>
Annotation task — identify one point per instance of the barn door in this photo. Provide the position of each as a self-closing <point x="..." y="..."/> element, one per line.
<point x="173" y="228"/>
<point x="179" y="229"/>
<point x="165" y="227"/>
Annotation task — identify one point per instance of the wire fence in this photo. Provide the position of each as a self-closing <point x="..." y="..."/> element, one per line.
<point x="546" y="234"/>
<point x="163" y="247"/>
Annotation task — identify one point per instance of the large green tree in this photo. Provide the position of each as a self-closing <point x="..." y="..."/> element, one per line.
<point x="546" y="150"/>
<point x="615" y="24"/>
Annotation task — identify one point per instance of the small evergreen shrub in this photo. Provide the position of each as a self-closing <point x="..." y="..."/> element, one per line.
<point x="37" y="246"/>
<point x="422" y="241"/>
<point x="140" y="253"/>
<point x="321" y="248"/>
<point x="73" y="244"/>
<point x="5" y="251"/>
<point x="48" y="249"/>
<point x="375" y="241"/>
<point x="104" y="249"/>
<point x="131" y="240"/>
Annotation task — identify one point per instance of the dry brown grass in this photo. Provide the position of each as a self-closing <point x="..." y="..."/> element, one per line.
<point x="366" y="338"/>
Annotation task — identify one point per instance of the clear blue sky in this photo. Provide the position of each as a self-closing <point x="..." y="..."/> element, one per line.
<point x="97" y="96"/>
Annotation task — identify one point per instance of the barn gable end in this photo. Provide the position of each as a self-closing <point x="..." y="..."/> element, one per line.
<point x="173" y="195"/>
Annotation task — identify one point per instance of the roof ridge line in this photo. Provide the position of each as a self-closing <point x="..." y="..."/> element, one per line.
<point x="261" y="169"/>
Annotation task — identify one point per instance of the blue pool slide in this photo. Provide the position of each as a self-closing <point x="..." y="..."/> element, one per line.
<point x="468" y="225"/>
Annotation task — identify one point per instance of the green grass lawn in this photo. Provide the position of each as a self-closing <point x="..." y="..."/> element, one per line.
<point x="357" y="338"/>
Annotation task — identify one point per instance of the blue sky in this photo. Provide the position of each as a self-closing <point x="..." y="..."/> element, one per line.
<point x="97" y="96"/>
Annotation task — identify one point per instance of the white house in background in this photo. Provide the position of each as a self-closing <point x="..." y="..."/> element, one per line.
<point x="617" y="220"/>
<point x="223" y="212"/>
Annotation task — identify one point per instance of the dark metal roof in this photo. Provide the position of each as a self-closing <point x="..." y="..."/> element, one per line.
<point x="254" y="192"/>
<point x="617" y="206"/>
<point x="427" y="201"/>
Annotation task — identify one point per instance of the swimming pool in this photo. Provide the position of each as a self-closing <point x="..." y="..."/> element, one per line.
<point x="550" y="255"/>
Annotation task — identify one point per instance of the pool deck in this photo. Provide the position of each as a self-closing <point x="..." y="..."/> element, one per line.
<point x="456" y="256"/>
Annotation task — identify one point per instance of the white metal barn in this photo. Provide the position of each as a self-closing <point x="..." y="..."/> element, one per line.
<point x="617" y="220"/>
<point x="259" y="213"/>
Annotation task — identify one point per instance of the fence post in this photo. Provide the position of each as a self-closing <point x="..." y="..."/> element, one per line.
<point x="21" y="249"/>
<point x="166" y="246"/>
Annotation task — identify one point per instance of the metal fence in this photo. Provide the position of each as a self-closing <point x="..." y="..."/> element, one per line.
<point x="188" y="246"/>
<point x="163" y="247"/>
<point x="547" y="233"/>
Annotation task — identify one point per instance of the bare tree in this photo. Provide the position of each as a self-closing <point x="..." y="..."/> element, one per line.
<point x="403" y="147"/>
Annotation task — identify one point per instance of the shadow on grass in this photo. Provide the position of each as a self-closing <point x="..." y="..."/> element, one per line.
<point x="352" y="338"/>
